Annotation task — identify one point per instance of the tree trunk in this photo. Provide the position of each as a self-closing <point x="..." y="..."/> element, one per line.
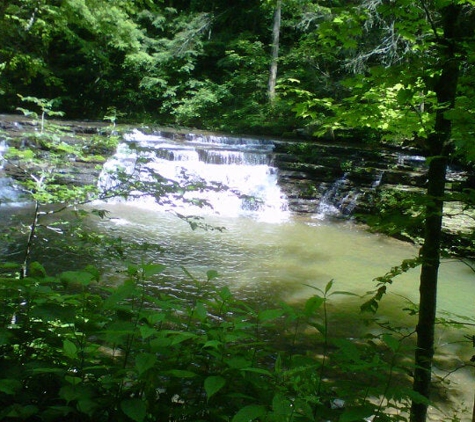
<point x="430" y="254"/>
<point x="445" y="89"/>
<point x="275" y="51"/>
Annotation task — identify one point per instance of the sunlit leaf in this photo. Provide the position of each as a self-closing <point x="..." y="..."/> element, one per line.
<point x="212" y="274"/>
<point x="200" y="311"/>
<point x="77" y="277"/>
<point x="153" y="269"/>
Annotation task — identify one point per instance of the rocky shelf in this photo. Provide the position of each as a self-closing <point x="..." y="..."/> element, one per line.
<point x="343" y="177"/>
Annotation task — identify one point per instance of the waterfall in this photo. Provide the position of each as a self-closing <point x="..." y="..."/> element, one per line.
<point x="199" y="174"/>
<point x="341" y="197"/>
<point x="378" y="180"/>
<point x="8" y="194"/>
<point x="330" y="203"/>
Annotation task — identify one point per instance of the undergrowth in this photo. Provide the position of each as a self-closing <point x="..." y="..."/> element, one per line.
<point x="73" y="349"/>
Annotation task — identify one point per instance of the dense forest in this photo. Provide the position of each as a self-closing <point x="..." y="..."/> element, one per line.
<point x="378" y="71"/>
<point x="260" y="66"/>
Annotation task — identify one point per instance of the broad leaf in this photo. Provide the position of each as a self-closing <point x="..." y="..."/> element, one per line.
<point x="391" y="342"/>
<point x="144" y="362"/>
<point x="213" y="384"/>
<point x="10" y="386"/>
<point x="270" y="314"/>
<point x="153" y="269"/>
<point x="249" y="413"/>
<point x="70" y="349"/>
<point x="135" y="409"/>
<point x="77" y="277"/>
<point x="179" y="373"/>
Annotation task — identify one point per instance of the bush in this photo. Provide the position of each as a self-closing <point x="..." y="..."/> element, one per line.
<point x="73" y="349"/>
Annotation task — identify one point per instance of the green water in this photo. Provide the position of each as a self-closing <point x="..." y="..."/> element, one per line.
<point x="280" y="260"/>
<point x="265" y="263"/>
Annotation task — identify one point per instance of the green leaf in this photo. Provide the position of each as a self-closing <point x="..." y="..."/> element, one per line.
<point x="200" y="311"/>
<point x="215" y="344"/>
<point x="69" y="393"/>
<point x="87" y="406"/>
<point x="257" y="371"/>
<point x="70" y="349"/>
<point x="152" y="269"/>
<point x="73" y="380"/>
<point x="213" y="384"/>
<point x="320" y="327"/>
<point x="22" y="412"/>
<point x="391" y="342"/>
<point x="312" y="304"/>
<point x="238" y="362"/>
<point x="179" y="373"/>
<point x="83" y="278"/>
<point x="249" y="413"/>
<point x="10" y="386"/>
<point x="282" y="406"/>
<point x="181" y="337"/>
<point x="356" y="414"/>
<point x="144" y="362"/>
<point x="155" y="317"/>
<point x="270" y="314"/>
<point x="225" y="293"/>
<point x="135" y="409"/>
<point x="212" y="274"/>
<point x="4" y="336"/>
<point x="121" y="293"/>
<point x="10" y="266"/>
<point x="94" y="271"/>
<point x="37" y="270"/>
<point x="160" y="343"/>
<point x="146" y="331"/>
<point x="328" y="286"/>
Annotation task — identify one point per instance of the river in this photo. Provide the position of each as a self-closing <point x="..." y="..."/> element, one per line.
<point x="262" y="251"/>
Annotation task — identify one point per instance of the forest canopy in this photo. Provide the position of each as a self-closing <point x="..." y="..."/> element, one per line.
<point x="209" y="64"/>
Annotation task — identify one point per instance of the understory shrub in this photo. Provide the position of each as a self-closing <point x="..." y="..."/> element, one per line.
<point x="73" y="349"/>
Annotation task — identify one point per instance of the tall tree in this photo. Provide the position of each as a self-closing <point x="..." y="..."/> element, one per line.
<point x="409" y="58"/>
<point x="445" y="89"/>
<point x="275" y="50"/>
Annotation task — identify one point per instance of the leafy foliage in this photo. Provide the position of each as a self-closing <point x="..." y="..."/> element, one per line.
<point x="73" y="348"/>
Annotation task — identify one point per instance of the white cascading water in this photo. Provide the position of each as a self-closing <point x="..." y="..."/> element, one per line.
<point x="8" y="194"/>
<point x="239" y="171"/>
